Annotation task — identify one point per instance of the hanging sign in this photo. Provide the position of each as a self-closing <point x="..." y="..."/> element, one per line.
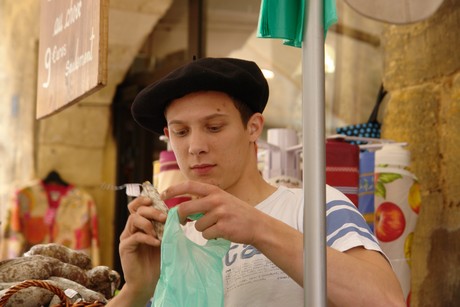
<point x="72" y="61"/>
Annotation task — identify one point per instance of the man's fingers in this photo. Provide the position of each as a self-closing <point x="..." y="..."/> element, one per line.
<point x="211" y="233"/>
<point x="191" y="208"/>
<point x="188" y="188"/>
<point x="136" y="223"/>
<point x="206" y="222"/>
<point x="141" y="221"/>
<point x="139" y="202"/>
<point x="140" y="238"/>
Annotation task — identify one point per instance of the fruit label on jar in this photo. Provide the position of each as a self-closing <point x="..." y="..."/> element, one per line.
<point x="397" y="202"/>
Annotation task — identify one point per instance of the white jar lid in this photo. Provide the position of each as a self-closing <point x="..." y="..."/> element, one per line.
<point x="393" y="154"/>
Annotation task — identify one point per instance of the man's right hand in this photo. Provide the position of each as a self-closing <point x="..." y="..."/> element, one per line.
<point x="140" y="254"/>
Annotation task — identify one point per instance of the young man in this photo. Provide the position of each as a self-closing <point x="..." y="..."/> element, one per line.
<point x="211" y="111"/>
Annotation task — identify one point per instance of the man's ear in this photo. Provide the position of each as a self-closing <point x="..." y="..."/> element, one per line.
<point x="255" y="126"/>
<point x="166" y="131"/>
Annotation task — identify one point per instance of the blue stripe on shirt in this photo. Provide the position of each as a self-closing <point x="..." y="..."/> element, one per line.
<point x="340" y="213"/>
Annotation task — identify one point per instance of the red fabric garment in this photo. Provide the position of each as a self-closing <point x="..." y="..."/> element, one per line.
<point x="342" y="168"/>
<point x="43" y="213"/>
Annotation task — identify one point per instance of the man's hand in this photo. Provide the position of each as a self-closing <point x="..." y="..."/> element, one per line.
<point x="140" y="251"/>
<point x="225" y="216"/>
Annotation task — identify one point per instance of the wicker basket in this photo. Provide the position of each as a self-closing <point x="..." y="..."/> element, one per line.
<point x="42" y="284"/>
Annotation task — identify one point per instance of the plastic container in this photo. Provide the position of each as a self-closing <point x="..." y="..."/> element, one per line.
<point x="397" y="203"/>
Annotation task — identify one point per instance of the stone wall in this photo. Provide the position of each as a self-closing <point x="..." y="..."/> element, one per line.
<point x="18" y="66"/>
<point x="422" y="74"/>
<point x="77" y="142"/>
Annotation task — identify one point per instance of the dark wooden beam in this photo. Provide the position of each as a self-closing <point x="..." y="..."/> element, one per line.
<point x="197" y="26"/>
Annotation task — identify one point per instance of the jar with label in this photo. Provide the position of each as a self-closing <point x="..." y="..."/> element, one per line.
<point x="396" y="204"/>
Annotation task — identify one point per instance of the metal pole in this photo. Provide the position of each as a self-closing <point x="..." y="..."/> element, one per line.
<point x="314" y="156"/>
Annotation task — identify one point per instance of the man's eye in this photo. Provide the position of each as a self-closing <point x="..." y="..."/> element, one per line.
<point x="214" y="128"/>
<point x="182" y="132"/>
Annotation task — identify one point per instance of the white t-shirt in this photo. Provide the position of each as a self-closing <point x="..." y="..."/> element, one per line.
<point x="251" y="279"/>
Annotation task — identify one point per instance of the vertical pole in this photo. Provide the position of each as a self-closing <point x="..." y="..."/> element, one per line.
<point x="197" y="29"/>
<point x="314" y="156"/>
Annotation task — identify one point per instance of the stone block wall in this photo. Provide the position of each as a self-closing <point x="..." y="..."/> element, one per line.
<point x="77" y="141"/>
<point x="422" y="74"/>
<point x="18" y="66"/>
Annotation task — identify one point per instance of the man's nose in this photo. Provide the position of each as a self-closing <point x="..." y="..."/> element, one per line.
<point x="197" y="144"/>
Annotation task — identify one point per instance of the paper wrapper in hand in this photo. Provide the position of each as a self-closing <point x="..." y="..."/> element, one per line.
<point x="148" y="190"/>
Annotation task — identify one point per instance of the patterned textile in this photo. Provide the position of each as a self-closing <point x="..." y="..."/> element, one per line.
<point x="366" y="187"/>
<point x="371" y="129"/>
<point x="50" y="213"/>
<point x="342" y="168"/>
<point x="365" y="130"/>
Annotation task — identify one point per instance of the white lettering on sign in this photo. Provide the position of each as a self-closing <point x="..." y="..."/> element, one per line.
<point x="57" y="25"/>
<point x="81" y="59"/>
<point x="73" y="13"/>
<point x="56" y="53"/>
<point x="53" y="55"/>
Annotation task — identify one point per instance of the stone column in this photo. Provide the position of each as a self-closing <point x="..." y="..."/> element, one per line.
<point x="422" y="75"/>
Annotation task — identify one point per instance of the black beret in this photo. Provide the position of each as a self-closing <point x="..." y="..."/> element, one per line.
<point x="240" y="79"/>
